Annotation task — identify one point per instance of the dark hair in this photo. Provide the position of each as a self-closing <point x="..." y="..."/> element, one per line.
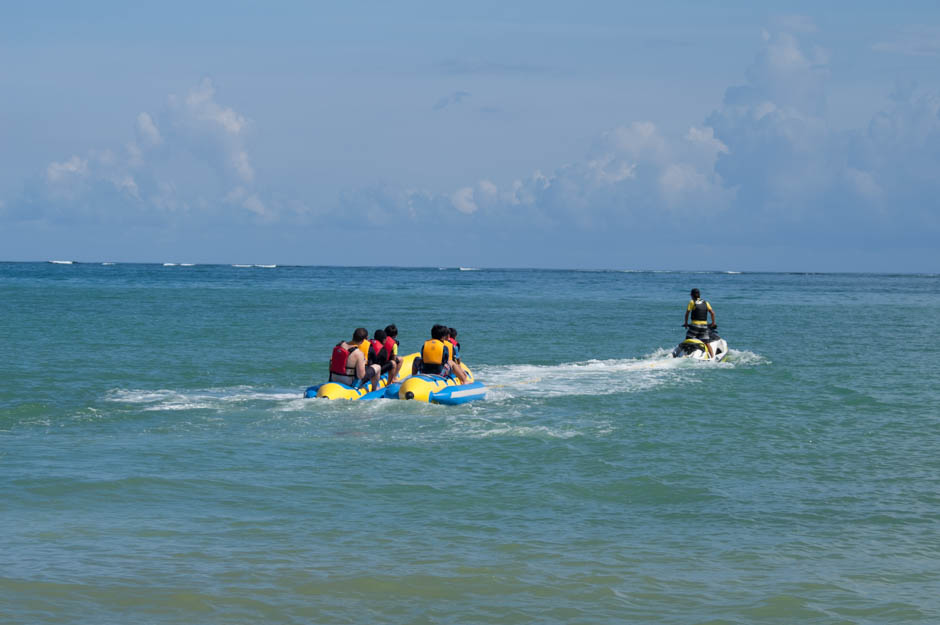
<point x="391" y="330"/>
<point x="696" y="293"/>
<point x="452" y="332"/>
<point x="438" y="331"/>
<point x="379" y="335"/>
<point x="360" y="335"/>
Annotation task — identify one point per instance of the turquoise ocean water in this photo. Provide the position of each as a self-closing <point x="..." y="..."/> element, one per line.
<point x="158" y="465"/>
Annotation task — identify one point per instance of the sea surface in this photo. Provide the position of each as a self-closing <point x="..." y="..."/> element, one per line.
<point x="159" y="465"/>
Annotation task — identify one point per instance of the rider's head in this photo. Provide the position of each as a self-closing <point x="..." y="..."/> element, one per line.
<point x="696" y="294"/>
<point x="438" y="332"/>
<point x="379" y="335"/>
<point x="391" y="330"/>
<point x="360" y="335"/>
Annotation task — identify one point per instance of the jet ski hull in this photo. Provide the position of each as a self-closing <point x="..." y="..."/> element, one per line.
<point x="695" y="349"/>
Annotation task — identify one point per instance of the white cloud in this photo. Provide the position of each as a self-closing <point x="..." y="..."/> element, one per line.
<point x="705" y="137"/>
<point x="462" y="200"/>
<point x="199" y="106"/>
<point x="190" y="157"/>
<point x="75" y="166"/>
<point x="147" y="133"/>
<point x="242" y="165"/>
<point x="765" y="163"/>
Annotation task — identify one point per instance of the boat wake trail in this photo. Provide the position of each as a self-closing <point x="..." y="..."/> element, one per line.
<point x="602" y="377"/>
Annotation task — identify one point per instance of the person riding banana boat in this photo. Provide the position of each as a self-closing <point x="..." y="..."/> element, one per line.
<point x="363" y="369"/>
<point x="360" y="368"/>
<point x="438" y="377"/>
<point x="437" y="355"/>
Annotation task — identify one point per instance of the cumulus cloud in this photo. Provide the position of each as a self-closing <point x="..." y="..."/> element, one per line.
<point x="463" y="200"/>
<point x="148" y="135"/>
<point x="190" y="157"/>
<point x="75" y="166"/>
<point x="766" y="164"/>
<point x="795" y="174"/>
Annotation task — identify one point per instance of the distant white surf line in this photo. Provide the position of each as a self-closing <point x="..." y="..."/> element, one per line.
<point x="62" y="262"/>
<point x="267" y="266"/>
<point x="242" y="266"/>
<point x="468" y="269"/>
<point x="108" y="264"/>
<point x="169" y="264"/>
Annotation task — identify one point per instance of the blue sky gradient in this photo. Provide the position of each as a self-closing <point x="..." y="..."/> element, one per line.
<point x="789" y="136"/>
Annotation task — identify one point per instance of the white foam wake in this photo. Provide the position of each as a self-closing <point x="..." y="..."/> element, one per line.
<point x="167" y="399"/>
<point x="601" y="377"/>
<point x="590" y="377"/>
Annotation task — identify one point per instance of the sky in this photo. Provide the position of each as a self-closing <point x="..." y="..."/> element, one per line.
<point x="778" y="136"/>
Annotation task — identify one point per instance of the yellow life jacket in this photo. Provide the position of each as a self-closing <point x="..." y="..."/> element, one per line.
<point x="364" y="348"/>
<point x="434" y="355"/>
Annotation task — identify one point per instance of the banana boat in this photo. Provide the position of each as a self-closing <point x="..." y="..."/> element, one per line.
<point x="337" y="390"/>
<point x="422" y="387"/>
<point x="436" y="389"/>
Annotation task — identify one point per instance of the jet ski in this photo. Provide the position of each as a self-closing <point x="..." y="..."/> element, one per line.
<point x="695" y="348"/>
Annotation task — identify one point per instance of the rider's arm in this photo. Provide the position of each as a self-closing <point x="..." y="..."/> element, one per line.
<point x="714" y="323"/>
<point x="686" y="322"/>
<point x="360" y="364"/>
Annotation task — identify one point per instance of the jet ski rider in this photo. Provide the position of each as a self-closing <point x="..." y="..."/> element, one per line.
<point x="700" y="328"/>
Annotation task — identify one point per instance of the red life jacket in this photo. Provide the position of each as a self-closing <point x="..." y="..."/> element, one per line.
<point x="390" y="344"/>
<point x="338" y="361"/>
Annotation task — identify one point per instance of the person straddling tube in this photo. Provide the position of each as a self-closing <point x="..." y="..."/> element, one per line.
<point x="437" y="356"/>
<point x="700" y="329"/>
<point x="380" y="355"/>
<point x="349" y="362"/>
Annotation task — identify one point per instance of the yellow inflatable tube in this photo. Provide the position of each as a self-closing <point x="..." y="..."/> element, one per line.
<point x="438" y="390"/>
<point x="336" y="390"/>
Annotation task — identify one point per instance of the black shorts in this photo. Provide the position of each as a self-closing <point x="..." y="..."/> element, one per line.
<point x="702" y="333"/>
